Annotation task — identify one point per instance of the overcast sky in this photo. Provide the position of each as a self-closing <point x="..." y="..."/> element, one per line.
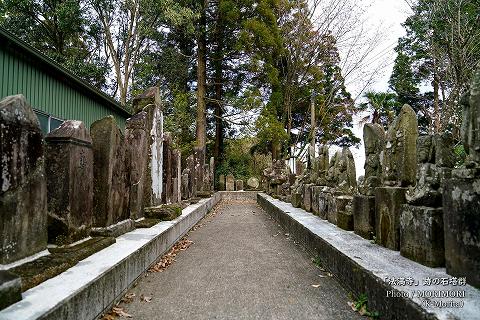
<point x="389" y="15"/>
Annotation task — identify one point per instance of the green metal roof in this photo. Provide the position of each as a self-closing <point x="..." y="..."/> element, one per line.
<point x="9" y="40"/>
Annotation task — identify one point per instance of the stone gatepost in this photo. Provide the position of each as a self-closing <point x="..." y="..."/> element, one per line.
<point x="421" y="221"/>
<point x="136" y="139"/>
<point x="230" y="183"/>
<point x="461" y="198"/>
<point x="364" y="202"/>
<point x="399" y="169"/>
<point x="150" y="103"/>
<point x="23" y="196"/>
<point x="111" y="186"/>
<point x="69" y="170"/>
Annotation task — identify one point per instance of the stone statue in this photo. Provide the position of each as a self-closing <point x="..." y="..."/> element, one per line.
<point x="374" y="140"/>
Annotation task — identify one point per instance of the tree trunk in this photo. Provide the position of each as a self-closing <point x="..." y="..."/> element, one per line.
<point x="436" y="100"/>
<point x="219" y="34"/>
<point x="201" y="79"/>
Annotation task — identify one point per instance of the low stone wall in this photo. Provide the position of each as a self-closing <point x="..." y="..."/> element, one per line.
<point x="365" y="268"/>
<point x="86" y="290"/>
<point x="239" y="195"/>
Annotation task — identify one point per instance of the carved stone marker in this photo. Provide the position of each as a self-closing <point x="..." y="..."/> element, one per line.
<point x="110" y="186"/>
<point x="307" y="197"/>
<point x="399" y="168"/>
<point x="69" y="171"/>
<point x="150" y="103"/>
<point x="253" y="183"/>
<point x="461" y="198"/>
<point x="177" y="174"/>
<point x="239" y="185"/>
<point x="167" y="189"/>
<point x="136" y="140"/>
<point x="221" y="182"/>
<point x="230" y="183"/>
<point x="192" y="181"/>
<point x="23" y="193"/>
<point x="323" y="164"/>
<point x="364" y="203"/>
<point x="199" y="156"/>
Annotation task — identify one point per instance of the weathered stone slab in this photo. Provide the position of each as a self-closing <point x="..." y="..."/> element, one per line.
<point x="10" y="289"/>
<point x="364" y="216"/>
<point x="230" y="183"/>
<point x="421" y="235"/>
<point x="167" y="170"/>
<point x="399" y="164"/>
<point x="69" y="171"/>
<point x="345" y="220"/>
<point x="23" y="193"/>
<point x="461" y="203"/>
<point x="111" y="193"/>
<point x="388" y="208"/>
<point x="374" y="140"/>
<point x="136" y="140"/>
<point x="115" y="230"/>
<point x="316" y="190"/>
<point x="190" y="165"/>
<point x="307" y="197"/>
<point x="296" y="200"/>
<point x="212" y="173"/>
<point x="221" y="182"/>
<point x="199" y="156"/>
<point x="323" y="197"/>
<point x="163" y="212"/>
<point x="177" y="173"/>
<point x="150" y="103"/>
<point x="239" y="185"/>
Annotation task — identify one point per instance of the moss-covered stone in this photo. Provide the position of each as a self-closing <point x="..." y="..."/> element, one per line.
<point x="204" y="194"/>
<point x="163" y="212"/>
<point x="62" y="258"/>
<point x="146" y="223"/>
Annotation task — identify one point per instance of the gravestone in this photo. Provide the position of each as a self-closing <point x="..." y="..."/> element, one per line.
<point x="199" y="156"/>
<point x="150" y="103"/>
<point x="136" y="140"/>
<point x="323" y="165"/>
<point x="110" y="187"/>
<point x="207" y="184"/>
<point x="239" y="185"/>
<point x="461" y="197"/>
<point x="167" y="189"/>
<point x="23" y="194"/>
<point x="253" y="183"/>
<point x="221" y="182"/>
<point x="69" y="172"/>
<point x="192" y="187"/>
<point x="307" y="197"/>
<point x="399" y="169"/>
<point x="299" y="167"/>
<point x="185" y="184"/>
<point x="212" y="173"/>
<point x="177" y="173"/>
<point x="364" y="202"/>
<point x="230" y="183"/>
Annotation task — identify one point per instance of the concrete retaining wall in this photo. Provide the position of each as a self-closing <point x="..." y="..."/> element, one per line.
<point x="94" y="284"/>
<point x="363" y="267"/>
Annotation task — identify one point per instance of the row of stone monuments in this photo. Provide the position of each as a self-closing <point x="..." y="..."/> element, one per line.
<point x="229" y="183"/>
<point x="411" y="198"/>
<point x="60" y="188"/>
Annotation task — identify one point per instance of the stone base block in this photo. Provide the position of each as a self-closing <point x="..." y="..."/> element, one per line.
<point x="316" y="190"/>
<point x="296" y="200"/>
<point x="421" y="235"/>
<point x="164" y="212"/>
<point x="364" y="216"/>
<point x="345" y="220"/>
<point x="10" y="289"/>
<point x="115" y="230"/>
<point x="388" y="207"/>
<point x="461" y="207"/>
<point x="307" y="197"/>
<point x="239" y="185"/>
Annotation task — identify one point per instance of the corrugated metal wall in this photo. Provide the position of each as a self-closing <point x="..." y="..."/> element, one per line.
<point x="49" y="94"/>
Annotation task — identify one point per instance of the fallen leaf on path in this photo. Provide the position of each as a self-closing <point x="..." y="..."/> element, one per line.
<point x="352" y="305"/>
<point x="145" y="298"/>
<point x="329" y="274"/>
<point x="128" y="297"/>
<point x="108" y="317"/>
<point x="315" y="285"/>
<point x="321" y="276"/>
<point x="119" y="312"/>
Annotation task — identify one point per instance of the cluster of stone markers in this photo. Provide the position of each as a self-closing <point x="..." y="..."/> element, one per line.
<point x="76" y="182"/>
<point x="412" y="199"/>
<point x="229" y="183"/>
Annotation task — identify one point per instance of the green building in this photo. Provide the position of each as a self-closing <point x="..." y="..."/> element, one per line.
<point x="55" y="93"/>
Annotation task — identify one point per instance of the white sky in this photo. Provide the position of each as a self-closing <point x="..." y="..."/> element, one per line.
<point x="388" y="15"/>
